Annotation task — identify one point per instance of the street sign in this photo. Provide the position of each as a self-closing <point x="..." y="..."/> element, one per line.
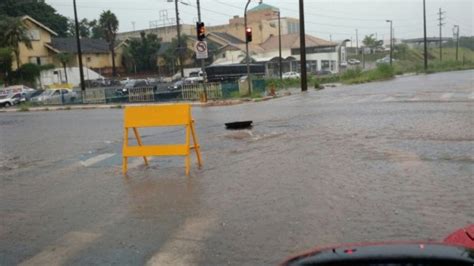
<point x="201" y="50"/>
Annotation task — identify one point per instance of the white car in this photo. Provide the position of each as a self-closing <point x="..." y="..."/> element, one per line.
<point x="353" y="61"/>
<point x="56" y="96"/>
<point x="291" y="75"/>
<point x="7" y="100"/>
<point x="385" y="60"/>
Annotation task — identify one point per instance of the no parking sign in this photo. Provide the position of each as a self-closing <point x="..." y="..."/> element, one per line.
<point x="201" y="50"/>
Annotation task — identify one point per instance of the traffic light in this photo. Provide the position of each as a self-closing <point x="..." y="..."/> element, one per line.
<point x="201" y="31"/>
<point x="248" y="34"/>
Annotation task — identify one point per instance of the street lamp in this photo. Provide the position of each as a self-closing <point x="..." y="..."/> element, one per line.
<point x="391" y="40"/>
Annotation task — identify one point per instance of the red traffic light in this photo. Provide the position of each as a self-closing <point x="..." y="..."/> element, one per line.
<point x="200" y="31"/>
<point x="248" y="34"/>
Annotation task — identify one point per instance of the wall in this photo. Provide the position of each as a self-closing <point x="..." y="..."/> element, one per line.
<point x="166" y="34"/>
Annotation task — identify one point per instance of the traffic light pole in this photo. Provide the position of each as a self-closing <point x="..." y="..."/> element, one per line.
<point x="180" y="52"/>
<point x="249" y="79"/>
<point x="198" y="4"/>
<point x="304" y="73"/>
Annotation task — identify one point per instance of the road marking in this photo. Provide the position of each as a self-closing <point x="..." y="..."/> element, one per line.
<point x="57" y="254"/>
<point x="96" y="159"/>
<point x="186" y="244"/>
<point x="446" y="96"/>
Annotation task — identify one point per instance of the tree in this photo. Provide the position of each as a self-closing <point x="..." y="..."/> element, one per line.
<point x="13" y="32"/>
<point x="171" y="54"/>
<point x="87" y="29"/>
<point x="65" y="59"/>
<point x="84" y="28"/>
<point x="6" y="61"/>
<point x="109" y="24"/>
<point x="371" y="42"/>
<point x="144" y="52"/>
<point x="40" y="11"/>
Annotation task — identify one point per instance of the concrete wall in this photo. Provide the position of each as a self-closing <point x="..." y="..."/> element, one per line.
<point x="166" y="34"/>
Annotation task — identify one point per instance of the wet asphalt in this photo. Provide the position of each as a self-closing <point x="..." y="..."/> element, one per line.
<point x="382" y="161"/>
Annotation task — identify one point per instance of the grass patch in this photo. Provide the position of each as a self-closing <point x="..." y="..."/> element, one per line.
<point x="382" y="72"/>
<point x="23" y="108"/>
<point x="118" y="106"/>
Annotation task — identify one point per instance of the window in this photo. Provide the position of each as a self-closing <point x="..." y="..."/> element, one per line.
<point x="34" y="35"/>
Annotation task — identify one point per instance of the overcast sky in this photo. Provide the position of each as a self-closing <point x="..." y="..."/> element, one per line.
<point x="339" y="18"/>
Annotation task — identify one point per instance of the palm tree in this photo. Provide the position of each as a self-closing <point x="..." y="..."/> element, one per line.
<point x="65" y="59"/>
<point x="109" y="24"/>
<point x="13" y="32"/>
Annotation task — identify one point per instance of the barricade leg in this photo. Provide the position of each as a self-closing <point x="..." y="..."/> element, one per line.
<point x="196" y="146"/>
<point x="125" y="145"/>
<point x="188" y="153"/>
<point x="139" y="141"/>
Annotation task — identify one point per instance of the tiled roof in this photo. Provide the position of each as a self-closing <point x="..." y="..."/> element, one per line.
<point x="88" y="46"/>
<point x="228" y="38"/>
<point x="290" y="41"/>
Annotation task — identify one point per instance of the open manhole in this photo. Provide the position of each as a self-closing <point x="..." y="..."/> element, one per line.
<point x="239" y="125"/>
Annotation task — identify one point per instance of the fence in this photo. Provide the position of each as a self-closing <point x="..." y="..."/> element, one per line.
<point x="144" y="94"/>
<point x="95" y="96"/>
<point x="195" y="91"/>
<point x="116" y="95"/>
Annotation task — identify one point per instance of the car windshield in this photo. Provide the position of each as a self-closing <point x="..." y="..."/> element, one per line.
<point x="236" y="132"/>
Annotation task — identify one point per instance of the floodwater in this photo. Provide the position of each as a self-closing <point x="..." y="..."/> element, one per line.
<point x="381" y="161"/>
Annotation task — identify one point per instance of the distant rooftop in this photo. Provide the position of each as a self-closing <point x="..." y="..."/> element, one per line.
<point x="90" y="46"/>
<point x="263" y="6"/>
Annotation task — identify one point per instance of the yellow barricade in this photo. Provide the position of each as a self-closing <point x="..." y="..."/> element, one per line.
<point x="160" y="116"/>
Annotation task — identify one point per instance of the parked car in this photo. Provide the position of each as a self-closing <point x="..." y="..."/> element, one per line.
<point x="291" y="75"/>
<point x="134" y="83"/>
<point x="323" y="72"/>
<point x="56" y="96"/>
<point x="385" y="60"/>
<point x="11" y="99"/>
<point x="178" y="85"/>
<point x="353" y="61"/>
<point x="195" y="77"/>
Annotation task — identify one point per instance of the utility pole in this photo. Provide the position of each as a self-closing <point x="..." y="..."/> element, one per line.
<point x="304" y="74"/>
<point x="391" y="40"/>
<point x="457" y="40"/>
<point x="79" y="52"/>
<point x="178" y="29"/>
<point x="424" y="37"/>
<point x="441" y="24"/>
<point x="279" y="45"/>
<point x="357" y="41"/>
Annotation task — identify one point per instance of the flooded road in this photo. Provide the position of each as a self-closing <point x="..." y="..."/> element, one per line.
<point x="382" y="161"/>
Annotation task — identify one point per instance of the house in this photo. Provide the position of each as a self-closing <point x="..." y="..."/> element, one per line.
<point x="95" y="53"/>
<point x="40" y="36"/>
<point x="320" y="54"/>
<point x="45" y="47"/>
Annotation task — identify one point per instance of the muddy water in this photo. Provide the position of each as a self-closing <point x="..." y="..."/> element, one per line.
<point x="338" y="165"/>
